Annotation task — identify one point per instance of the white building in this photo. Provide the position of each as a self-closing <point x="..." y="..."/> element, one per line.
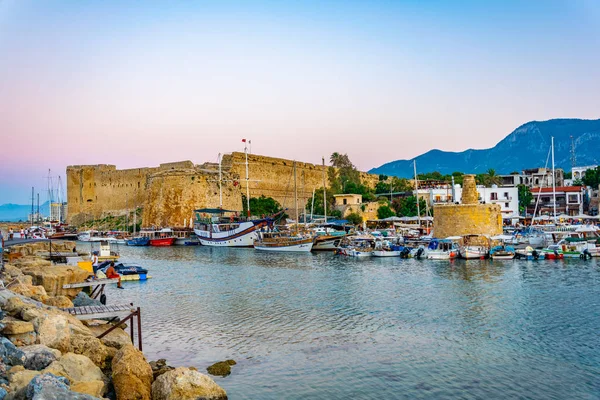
<point x="506" y="197"/>
<point x="579" y="172"/>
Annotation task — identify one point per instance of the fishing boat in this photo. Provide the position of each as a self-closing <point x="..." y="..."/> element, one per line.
<point x="139" y="241"/>
<point x="502" y="252"/>
<point x="388" y="248"/>
<point x="128" y="272"/>
<point x="162" y="238"/>
<point x="474" y="247"/>
<point x="284" y="241"/>
<point x="94" y="236"/>
<point x="529" y="253"/>
<point x="445" y="249"/>
<point x="357" y="246"/>
<point x="327" y="242"/>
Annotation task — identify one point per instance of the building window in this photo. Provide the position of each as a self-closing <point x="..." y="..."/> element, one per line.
<point x="506" y="195"/>
<point x="494" y="196"/>
<point x="506" y="205"/>
<point x="573" y="199"/>
<point x="345" y="201"/>
<point x="438" y="198"/>
<point x="357" y="201"/>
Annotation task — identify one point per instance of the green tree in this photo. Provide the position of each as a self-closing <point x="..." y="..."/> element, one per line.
<point x="407" y="206"/>
<point x="525" y="198"/>
<point x="264" y="206"/>
<point x="492" y="177"/>
<point x="592" y="177"/>
<point x="354" y="218"/>
<point x="578" y="182"/>
<point x="318" y="210"/>
<point x="385" y="212"/>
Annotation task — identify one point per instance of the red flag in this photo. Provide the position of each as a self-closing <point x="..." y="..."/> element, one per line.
<point x="244" y="140"/>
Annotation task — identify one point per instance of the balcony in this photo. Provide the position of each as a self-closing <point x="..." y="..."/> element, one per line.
<point x="501" y="199"/>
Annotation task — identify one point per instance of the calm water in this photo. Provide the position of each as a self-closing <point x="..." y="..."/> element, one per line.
<point x="321" y="326"/>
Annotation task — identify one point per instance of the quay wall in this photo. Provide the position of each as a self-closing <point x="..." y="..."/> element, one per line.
<point x="169" y="193"/>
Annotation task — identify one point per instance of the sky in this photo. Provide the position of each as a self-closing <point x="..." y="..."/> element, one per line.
<point x="140" y="83"/>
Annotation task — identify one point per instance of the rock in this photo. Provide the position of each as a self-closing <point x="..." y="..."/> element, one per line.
<point x="77" y="368"/>
<point x="117" y="338"/>
<point x="3" y="393"/>
<point x="10" y="354"/>
<point x="34" y="292"/>
<point x="186" y="384"/>
<point x="82" y="300"/>
<point x="22" y="339"/>
<point x="53" y="279"/>
<point x="160" y="367"/>
<point x="44" y="384"/>
<point x="94" y="388"/>
<point x="59" y="301"/>
<point x="222" y="368"/>
<point x="38" y="356"/>
<point x="131" y="374"/>
<point x="53" y="331"/>
<point x="16" y="327"/>
<point x="92" y="348"/>
<point x="19" y="378"/>
<point x="14" y="306"/>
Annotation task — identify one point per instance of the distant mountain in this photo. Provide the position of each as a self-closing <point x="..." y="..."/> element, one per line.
<point x="15" y="212"/>
<point x="526" y="147"/>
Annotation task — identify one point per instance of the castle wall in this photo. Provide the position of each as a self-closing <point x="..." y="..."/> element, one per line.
<point x="169" y="193"/>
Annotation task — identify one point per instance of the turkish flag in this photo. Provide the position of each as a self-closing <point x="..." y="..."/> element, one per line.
<point x="244" y="140"/>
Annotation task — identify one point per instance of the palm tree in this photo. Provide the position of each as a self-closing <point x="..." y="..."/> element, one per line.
<point x="334" y="158"/>
<point x="492" y="178"/>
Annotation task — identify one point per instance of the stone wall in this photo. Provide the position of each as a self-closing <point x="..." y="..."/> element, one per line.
<point x="169" y="193"/>
<point x="467" y="219"/>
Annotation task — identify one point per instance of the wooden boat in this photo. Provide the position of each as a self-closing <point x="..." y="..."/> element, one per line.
<point x="327" y="242"/>
<point x="279" y="241"/>
<point x="475" y="247"/>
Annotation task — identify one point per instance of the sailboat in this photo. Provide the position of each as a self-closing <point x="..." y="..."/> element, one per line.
<point x="218" y="227"/>
<point x="283" y="241"/>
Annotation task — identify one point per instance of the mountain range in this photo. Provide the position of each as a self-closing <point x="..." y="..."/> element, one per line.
<point x="526" y="147"/>
<point x="19" y="212"/>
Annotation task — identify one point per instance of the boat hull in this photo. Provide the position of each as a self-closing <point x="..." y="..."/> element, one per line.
<point x="300" y="247"/>
<point x="143" y="241"/>
<point x="244" y="236"/>
<point x="162" y="242"/>
<point x="330" y="244"/>
<point x="386" y="253"/>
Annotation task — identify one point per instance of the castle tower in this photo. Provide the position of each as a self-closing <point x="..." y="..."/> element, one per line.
<point x="469" y="193"/>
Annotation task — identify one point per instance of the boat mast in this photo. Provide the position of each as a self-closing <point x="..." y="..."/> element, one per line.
<point x="417" y="191"/>
<point x="312" y="207"/>
<point x="296" y="197"/>
<point x="221" y="180"/>
<point x="553" y="181"/>
<point x="324" y="193"/>
<point x="247" y="181"/>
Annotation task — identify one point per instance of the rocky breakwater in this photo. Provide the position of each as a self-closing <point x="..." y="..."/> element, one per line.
<point x="46" y="353"/>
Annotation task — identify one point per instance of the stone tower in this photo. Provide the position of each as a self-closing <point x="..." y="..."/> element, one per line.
<point x="469" y="217"/>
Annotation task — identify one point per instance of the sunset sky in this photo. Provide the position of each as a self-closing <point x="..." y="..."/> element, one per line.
<point x="140" y="83"/>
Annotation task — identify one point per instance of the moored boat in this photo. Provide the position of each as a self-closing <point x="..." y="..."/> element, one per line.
<point x="139" y="241"/>
<point x="280" y="241"/>
<point x="502" y="252"/>
<point x="162" y="242"/>
<point x="445" y="249"/>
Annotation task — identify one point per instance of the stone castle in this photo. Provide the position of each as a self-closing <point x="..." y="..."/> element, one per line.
<point x="170" y="192"/>
<point x="469" y="217"/>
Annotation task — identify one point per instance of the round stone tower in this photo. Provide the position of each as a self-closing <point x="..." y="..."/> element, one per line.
<point x="469" y="192"/>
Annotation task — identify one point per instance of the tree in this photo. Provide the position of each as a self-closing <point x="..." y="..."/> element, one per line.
<point x="354" y="218"/>
<point x="592" y="177"/>
<point x="264" y="206"/>
<point x="525" y="198"/>
<point x="407" y="206"/>
<point x="492" y="177"/>
<point x="318" y="209"/>
<point x="385" y="212"/>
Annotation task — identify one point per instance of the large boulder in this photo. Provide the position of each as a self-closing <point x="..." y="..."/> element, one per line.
<point x="117" y="338"/>
<point x="160" y="367"/>
<point x="14" y="305"/>
<point x="221" y="368"/>
<point x="93" y="349"/>
<point x="186" y="384"/>
<point x="38" y="356"/>
<point x="19" y="378"/>
<point x="14" y="327"/>
<point x="51" y="387"/>
<point x="59" y="301"/>
<point x="131" y="374"/>
<point x="53" y="331"/>
<point x="10" y="354"/>
<point x="78" y="368"/>
<point x="53" y="279"/>
<point x="82" y="300"/>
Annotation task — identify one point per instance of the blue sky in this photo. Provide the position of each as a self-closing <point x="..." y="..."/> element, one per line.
<point x="140" y="83"/>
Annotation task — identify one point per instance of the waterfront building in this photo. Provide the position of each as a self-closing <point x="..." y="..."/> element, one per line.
<point x="534" y="178"/>
<point x="579" y="172"/>
<point x="570" y="200"/>
<point x="506" y="197"/>
<point x="347" y="199"/>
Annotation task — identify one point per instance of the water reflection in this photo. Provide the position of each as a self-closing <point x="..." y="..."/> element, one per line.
<point x="316" y="325"/>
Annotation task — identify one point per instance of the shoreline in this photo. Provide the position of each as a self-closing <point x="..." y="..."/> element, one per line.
<point x="45" y="350"/>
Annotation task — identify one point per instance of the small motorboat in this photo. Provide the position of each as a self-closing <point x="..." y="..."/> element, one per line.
<point x="128" y="272"/>
<point x="139" y="241"/>
<point x="502" y="253"/>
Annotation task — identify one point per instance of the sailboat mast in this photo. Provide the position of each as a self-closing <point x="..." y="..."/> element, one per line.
<point x="553" y="181"/>
<point x="247" y="183"/>
<point x="221" y="180"/>
<point x="296" y="197"/>
<point x="417" y="191"/>
<point x="312" y="207"/>
<point x="324" y="193"/>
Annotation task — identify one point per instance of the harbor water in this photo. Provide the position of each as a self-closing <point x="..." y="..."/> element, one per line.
<point x="304" y="326"/>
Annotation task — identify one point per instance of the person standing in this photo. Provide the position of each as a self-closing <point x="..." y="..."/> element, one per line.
<point x="94" y="261"/>
<point x="22" y="233"/>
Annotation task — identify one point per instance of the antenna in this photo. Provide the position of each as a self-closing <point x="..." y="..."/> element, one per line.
<point x="573" y="156"/>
